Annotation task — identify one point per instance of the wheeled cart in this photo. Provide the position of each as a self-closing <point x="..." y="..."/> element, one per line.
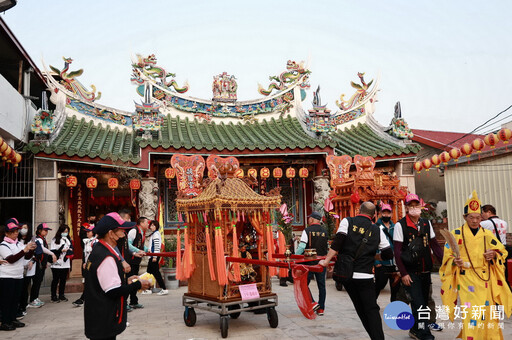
<point x="231" y="308"/>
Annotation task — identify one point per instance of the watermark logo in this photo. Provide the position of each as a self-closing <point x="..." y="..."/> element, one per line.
<point x="398" y="315"/>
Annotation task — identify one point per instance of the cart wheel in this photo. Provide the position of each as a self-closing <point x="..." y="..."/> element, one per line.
<point x="234" y="315"/>
<point x="189" y="316"/>
<point x="273" y="320"/>
<point x="224" y="326"/>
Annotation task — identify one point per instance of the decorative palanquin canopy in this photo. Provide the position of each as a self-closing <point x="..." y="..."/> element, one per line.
<point x="231" y="194"/>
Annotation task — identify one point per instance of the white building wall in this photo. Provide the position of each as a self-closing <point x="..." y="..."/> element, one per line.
<point x="492" y="180"/>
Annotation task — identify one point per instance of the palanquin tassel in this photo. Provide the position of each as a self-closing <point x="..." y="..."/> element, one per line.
<point x="270" y="249"/>
<point x="283" y="272"/>
<point x="179" y="264"/>
<point x="236" y="253"/>
<point x="221" y="260"/>
<point x="188" y="259"/>
<point x="209" y="253"/>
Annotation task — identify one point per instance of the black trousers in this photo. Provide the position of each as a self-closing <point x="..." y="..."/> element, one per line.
<point x="133" y="295"/>
<point x="362" y="294"/>
<point x="154" y="268"/>
<point x="24" y="292"/>
<point x="383" y="275"/>
<point x="10" y="290"/>
<point x="419" y="291"/>
<point x="36" y="284"/>
<point x="59" y="278"/>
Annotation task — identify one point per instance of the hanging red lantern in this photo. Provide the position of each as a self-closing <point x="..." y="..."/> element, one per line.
<point x="445" y="157"/>
<point x="6" y="153"/>
<point x="354" y="198"/>
<point x="290" y="174"/>
<point x="71" y="182"/>
<point x="466" y="150"/>
<point x="239" y="173"/>
<point x="252" y="173"/>
<point x="278" y="174"/>
<point x="426" y="164"/>
<point x="455" y="154"/>
<point x="170" y="173"/>
<point x="91" y="184"/>
<point x="135" y="184"/>
<point x="504" y="135"/>
<point x="303" y="173"/>
<point x="491" y="140"/>
<point x="264" y="173"/>
<point x="478" y="144"/>
<point x="113" y="183"/>
<point x="418" y="166"/>
<point x="436" y="160"/>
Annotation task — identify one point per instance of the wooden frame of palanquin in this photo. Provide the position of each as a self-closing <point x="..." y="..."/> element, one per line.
<point x="225" y="209"/>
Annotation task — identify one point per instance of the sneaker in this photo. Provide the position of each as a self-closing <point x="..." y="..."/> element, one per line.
<point x="20" y="315"/>
<point x="129" y="308"/>
<point x="413" y="335"/>
<point x="55" y="300"/>
<point x="63" y="298"/>
<point x="435" y="327"/>
<point x="78" y="303"/>
<point x="147" y="292"/>
<point x="137" y="306"/>
<point x="34" y="304"/>
<point x="41" y="302"/>
<point x="316" y="307"/>
<point x="320" y="312"/>
<point x="7" y="327"/>
<point x="127" y="324"/>
<point x="17" y="324"/>
<point x="163" y="292"/>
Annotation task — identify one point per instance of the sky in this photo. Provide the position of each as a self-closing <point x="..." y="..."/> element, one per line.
<point x="449" y="63"/>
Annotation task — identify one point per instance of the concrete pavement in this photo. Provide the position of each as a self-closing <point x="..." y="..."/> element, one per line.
<point x="162" y="318"/>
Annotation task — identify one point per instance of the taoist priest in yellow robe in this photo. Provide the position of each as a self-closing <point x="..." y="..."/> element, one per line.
<point x="476" y="276"/>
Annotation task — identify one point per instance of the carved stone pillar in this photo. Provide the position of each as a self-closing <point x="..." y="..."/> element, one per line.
<point x="322" y="190"/>
<point x="148" y="198"/>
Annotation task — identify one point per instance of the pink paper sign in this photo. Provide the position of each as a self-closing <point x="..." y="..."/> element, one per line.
<point x="249" y="292"/>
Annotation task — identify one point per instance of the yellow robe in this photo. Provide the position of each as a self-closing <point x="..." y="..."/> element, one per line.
<point x="479" y="323"/>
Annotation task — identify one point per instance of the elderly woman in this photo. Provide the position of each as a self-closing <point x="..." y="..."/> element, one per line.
<point x="11" y="274"/>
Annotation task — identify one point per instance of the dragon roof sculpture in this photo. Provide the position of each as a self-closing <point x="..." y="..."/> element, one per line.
<point x="295" y="73"/>
<point x="73" y="85"/>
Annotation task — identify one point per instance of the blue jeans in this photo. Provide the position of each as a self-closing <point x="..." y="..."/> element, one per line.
<point x="320" y="282"/>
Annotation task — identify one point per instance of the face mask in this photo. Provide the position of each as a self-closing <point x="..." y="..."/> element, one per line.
<point x="23" y="232"/>
<point x="386" y="218"/>
<point x="415" y="212"/>
<point x="64" y="234"/>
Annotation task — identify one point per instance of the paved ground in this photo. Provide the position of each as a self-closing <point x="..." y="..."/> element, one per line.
<point x="162" y="318"/>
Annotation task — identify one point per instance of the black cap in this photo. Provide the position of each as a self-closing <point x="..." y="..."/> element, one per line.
<point x="316" y="215"/>
<point x="111" y="221"/>
<point x="43" y="226"/>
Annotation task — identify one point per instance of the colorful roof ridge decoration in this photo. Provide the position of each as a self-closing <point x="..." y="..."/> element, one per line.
<point x="146" y="69"/>
<point x="359" y="104"/>
<point x="363" y="140"/>
<point x="224" y="88"/>
<point x="43" y="123"/>
<point x="296" y="73"/>
<point x="83" y="138"/>
<point x="399" y="127"/>
<point x="318" y="118"/>
<point x="73" y="85"/>
<point x="147" y="117"/>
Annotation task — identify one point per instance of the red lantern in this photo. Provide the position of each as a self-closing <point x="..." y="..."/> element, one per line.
<point x="252" y="173"/>
<point x="436" y="160"/>
<point x="466" y="150"/>
<point x="303" y="173"/>
<point x="290" y="174"/>
<point x="455" y="154"/>
<point x="264" y="173"/>
<point x="277" y="173"/>
<point x="478" y="144"/>
<point x="239" y="173"/>
<point x="445" y="157"/>
<point x="426" y="164"/>
<point x="135" y="184"/>
<point x="113" y="183"/>
<point x="491" y="140"/>
<point x="170" y="173"/>
<point x="91" y="184"/>
<point x="418" y="166"/>
<point x="354" y="198"/>
<point x="504" y="135"/>
<point x="71" y="182"/>
<point x="7" y="153"/>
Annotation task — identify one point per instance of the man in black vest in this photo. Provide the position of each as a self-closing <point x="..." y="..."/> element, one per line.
<point x="315" y="236"/>
<point x="136" y="240"/>
<point x="414" y="241"/>
<point x="105" y="291"/>
<point x="349" y="241"/>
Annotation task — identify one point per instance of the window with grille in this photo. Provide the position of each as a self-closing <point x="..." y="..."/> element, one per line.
<point x="17" y="182"/>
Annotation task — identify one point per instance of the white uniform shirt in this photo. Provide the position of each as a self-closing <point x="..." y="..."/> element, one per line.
<point x="11" y="270"/>
<point x="501" y="226"/>
<point x="343" y="228"/>
<point x="32" y="271"/>
<point x="61" y="264"/>
<point x="398" y="233"/>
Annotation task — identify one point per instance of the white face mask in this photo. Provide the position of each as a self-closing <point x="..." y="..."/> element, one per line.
<point x="23" y="232"/>
<point x="64" y="234"/>
<point x="415" y="212"/>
